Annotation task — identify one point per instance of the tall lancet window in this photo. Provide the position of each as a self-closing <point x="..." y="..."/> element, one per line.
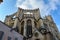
<point x="29" y="29"/>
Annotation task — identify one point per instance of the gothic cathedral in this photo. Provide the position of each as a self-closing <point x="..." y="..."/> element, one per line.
<point x="32" y="26"/>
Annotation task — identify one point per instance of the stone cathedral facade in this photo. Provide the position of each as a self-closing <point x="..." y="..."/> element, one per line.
<point x="32" y="26"/>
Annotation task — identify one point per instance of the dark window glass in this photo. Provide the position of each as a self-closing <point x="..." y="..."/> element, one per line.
<point x="1" y="35"/>
<point x="29" y="29"/>
<point x="9" y="38"/>
<point x="37" y="39"/>
<point x="16" y="38"/>
<point x="24" y="38"/>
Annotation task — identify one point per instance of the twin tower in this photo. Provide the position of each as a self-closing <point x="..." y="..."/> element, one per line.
<point x="30" y="24"/>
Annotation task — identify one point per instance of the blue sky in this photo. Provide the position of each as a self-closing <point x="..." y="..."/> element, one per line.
<point x="46" y="7"/>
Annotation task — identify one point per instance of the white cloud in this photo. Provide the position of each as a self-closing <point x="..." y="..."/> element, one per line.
<point x="44" y="8"/>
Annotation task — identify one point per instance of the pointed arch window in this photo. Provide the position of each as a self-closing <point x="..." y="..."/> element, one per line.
<point x="9" y="38"/>
<point x="29" y="29"/>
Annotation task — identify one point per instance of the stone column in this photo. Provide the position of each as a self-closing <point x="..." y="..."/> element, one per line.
<point x="33" y="25"/>
<point x="25" y="27"/>
<point x="16" y="20"/>
<point x="15" y="23"/>
<point x="41" y="22"/>
<point x="19" y="27"/>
